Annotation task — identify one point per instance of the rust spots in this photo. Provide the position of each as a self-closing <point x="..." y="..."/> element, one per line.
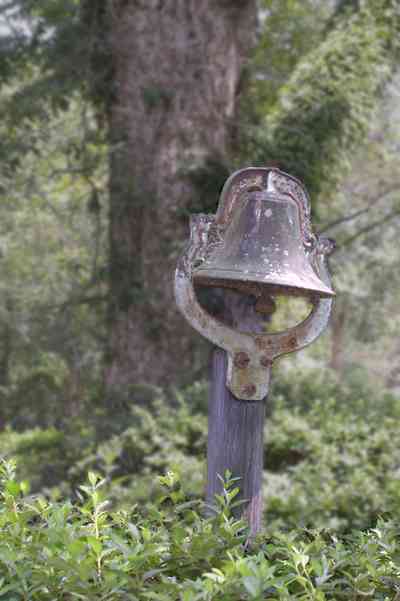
<point x="292" y="342"/>
<point x="241" y="360"/>
<point x="263" y="343"/>
<point x="266" y="361"/>
<point x="265" y="304"/>
<point x="249" y="390"/>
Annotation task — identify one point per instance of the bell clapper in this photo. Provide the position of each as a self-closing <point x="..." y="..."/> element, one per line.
<point x="265" y="304"/>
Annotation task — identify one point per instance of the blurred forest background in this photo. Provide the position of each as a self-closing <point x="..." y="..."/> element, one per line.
<point x="118" y="120"/>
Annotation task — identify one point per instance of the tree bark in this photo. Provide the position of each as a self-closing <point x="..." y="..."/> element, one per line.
<point x="176" y="69"/>
<point x="6" y="343"/>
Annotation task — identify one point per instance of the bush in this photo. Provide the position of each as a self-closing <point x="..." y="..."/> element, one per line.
<point x="42" y="454"/>
<point x="157" y="439"/>
<point x="331" y="453"/>
<point x="331" y="468"/>
<point x="168" y="551"/>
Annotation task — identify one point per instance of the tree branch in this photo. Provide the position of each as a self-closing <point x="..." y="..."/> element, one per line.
<point x="368" y="228"/>
<point x="351" y="216"/>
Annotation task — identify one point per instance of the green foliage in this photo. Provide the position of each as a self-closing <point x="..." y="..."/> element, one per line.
<point x="53" y="246"/>
<point x="331" y="452"/>
<point x="43" y="456"/>
<point x="324" y="110"/>
<point x="330" y="456"/>
<point x="54" y="550"/>
<point x="162" y="438"/>
<point x="331" y="468"/>
<point x="290" y="29"/>
<point x="332" y="444"/>
<point x="53" y="36"/>
<point x="207" y="180"/>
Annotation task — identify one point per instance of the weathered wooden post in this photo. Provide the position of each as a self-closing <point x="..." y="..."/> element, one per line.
<point x="258" y="246"/>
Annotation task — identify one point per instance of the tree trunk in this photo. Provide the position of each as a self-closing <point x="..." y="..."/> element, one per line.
<point x="176" y="69"/>
<point x="6" y="343"/>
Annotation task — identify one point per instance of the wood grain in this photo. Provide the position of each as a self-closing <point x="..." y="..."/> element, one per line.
<point x="235" y="442"/>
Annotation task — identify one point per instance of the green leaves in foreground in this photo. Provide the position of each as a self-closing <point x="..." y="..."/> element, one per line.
<point x="168" y="551"/>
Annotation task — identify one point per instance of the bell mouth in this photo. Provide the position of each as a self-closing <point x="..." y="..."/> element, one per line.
<point x="256" y="287"/>
<point x="255" y="309"/>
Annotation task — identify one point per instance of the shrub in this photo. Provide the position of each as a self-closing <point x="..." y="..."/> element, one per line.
<point x="331" y="468"/>
<point x="170" y="551"/>
<point x="331" y="453"/>
<point x="156" y="440"/>
<point x="42" y="454"/>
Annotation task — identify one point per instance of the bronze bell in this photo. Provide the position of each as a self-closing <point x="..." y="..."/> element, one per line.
<point x="262" y="238"/>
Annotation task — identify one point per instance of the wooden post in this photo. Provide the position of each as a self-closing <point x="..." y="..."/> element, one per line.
<point x="235" y="442"/>
<point x="235" y="427"/>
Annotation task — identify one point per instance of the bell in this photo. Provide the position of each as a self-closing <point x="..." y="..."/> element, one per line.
<point x="265" y="241"/>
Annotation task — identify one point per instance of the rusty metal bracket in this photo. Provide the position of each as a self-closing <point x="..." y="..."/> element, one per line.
<point x="250" y="356"/>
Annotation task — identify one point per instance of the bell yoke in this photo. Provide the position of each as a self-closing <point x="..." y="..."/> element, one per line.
<point x="259" y="243"/>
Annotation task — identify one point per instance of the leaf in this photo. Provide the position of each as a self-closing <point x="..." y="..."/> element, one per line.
<point x="133" y="530"/>
<point x="252" y="585"/>
<point x="77" y="547"/>
<point x="301" y="559"/>
<point x="151" y="573"/>
<point x="92" y="477"/>
<point x="13" y="487"/>
<point x="95" y="543"/>
<point x="25" y="487"/>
